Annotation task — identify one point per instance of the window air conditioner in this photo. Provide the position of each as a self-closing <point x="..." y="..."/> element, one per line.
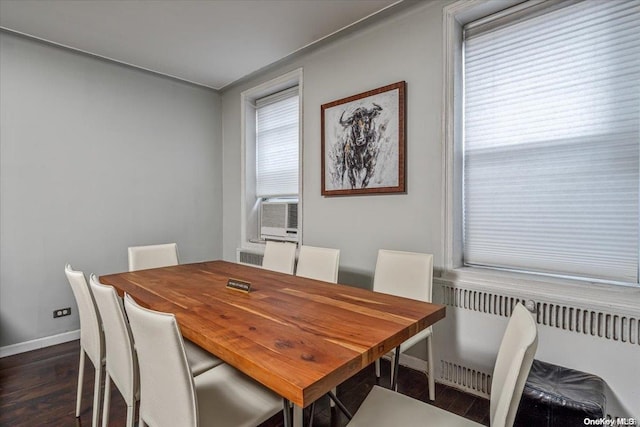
<point x="279" y="220"/>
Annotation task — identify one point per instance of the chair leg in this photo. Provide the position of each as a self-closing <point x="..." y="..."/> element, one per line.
<point x="332" y="404"/>
<point x="377" y="363"/>
<point x="432" y="379"/>
<point x="96" y="394"/>
<point x="80" y="382"/>
<point x="131" y="412"/>
<point x="107" y="400"/>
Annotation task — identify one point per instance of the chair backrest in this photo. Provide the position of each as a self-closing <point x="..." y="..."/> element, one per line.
<point x="279" y="256"/>
<point x="167" y="390"/>
<point x="318" y="263"/>
<point x="513" y="364"/>
<point x="122" y="363"/>
<point x="91" y="338"/>
<point x="153" y="256"/>
<point x="405" y="274"/>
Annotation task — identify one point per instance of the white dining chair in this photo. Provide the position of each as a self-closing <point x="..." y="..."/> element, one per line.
<point x="170" y="396"/>
<point x="121" y="359"/>
<point x="166" y="255"/>
<point x="384" y="407"/>
<point x="318" y="263"/>
<point x="409" y="275"/>
<point x="91" y="338"/>
<point x="152" y="256"/>
<point x="279" y="256"/>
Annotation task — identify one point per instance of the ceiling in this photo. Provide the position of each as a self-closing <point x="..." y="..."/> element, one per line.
<point x="207" y="42"/>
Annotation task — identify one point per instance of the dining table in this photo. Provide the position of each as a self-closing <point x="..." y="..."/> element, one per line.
<point x="298" y="337"/>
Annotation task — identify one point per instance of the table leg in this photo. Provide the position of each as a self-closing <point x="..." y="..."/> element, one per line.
<point x="340" y="405"/>
<point x="394" y="370"/>
<point x="297" y="416"/>
<point x="287" y="413"/>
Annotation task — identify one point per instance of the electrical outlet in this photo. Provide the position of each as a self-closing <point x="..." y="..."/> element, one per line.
<point x="61" y="312"/>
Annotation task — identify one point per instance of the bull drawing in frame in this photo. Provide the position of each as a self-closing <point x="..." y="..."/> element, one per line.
<point x="359" y="151"/>
<point x="363" y="143"/>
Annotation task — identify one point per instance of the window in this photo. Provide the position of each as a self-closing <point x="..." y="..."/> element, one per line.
<point x="277" y="122"/>
<point x="550" y="140"/>
<point x="271" y="129"/>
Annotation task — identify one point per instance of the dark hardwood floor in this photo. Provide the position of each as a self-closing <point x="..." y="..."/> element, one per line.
<point x="38" y="388"/>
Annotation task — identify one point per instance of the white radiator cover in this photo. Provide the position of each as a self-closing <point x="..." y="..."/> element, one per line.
<point x="568" y="317"/>
<point x="598" y="338"/>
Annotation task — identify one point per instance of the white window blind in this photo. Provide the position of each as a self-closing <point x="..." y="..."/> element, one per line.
<point x="277" y="135"/>
<point x="551" y="140"/>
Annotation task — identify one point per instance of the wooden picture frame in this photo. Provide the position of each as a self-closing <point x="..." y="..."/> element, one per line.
<point x="363" y="143"/>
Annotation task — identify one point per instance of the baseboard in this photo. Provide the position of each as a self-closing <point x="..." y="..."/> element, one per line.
<point x="38" y="343"/>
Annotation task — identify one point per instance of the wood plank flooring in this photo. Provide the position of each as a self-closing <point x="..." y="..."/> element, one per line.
<point x="38" y="388"/>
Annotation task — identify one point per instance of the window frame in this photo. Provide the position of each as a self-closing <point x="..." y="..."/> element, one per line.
<point x="249" y="202"/>
<point x="455" y="16"/>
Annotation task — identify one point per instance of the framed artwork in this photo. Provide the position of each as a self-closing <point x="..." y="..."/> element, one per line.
<point x="363" y="143"/>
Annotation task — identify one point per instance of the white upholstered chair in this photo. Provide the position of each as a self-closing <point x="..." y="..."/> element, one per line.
<point x="122" y="362"/>
<point x="409" y="275"/>
<point x="170" y="396"/>
<point x="279" y="256"/>
<point x="121" y="358"/>
<point x="318" y="263"/>
<point x="153" y="256"/>
<point x="166" y="255"/>
<point x="91" y="338"/>
<point x="384" y="407"/>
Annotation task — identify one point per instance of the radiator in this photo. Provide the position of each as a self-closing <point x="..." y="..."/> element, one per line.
<point x="465" y="378"/>
<point x="573" y="317"/>
<point x="244" y="256"/>
<point x="581" y="320"/>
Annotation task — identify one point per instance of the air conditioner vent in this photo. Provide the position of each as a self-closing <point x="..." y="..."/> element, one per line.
<point x="274" y="215"/>
<point x="292" y="217"/>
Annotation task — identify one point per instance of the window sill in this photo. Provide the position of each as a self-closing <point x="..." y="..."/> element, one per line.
<point x="607" y="297"/>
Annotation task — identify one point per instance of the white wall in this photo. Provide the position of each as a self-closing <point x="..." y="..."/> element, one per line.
<point x="407" y="46"/>
<point x="96" y="157"/>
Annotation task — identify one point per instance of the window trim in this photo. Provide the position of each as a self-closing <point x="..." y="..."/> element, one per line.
<point x="455" y="16"/>
<point x="247" y="101"/>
